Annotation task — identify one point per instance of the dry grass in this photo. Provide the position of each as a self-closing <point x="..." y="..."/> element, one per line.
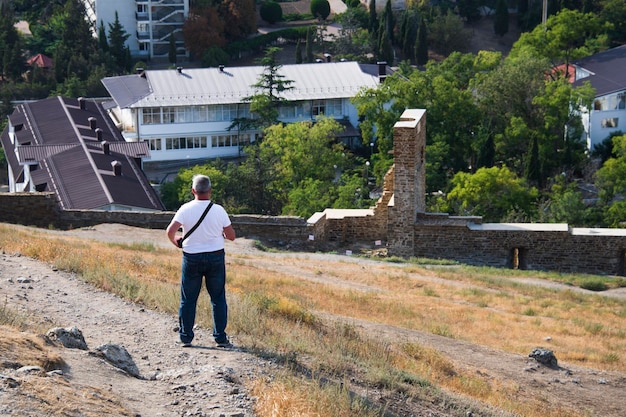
<point x="276" y="313"/>
<point x="39" y="394"/>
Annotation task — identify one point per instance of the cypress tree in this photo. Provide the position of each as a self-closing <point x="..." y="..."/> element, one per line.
<point x="298" y="52"/>
<point x="309" y="44"/>
<point x="172" y="51"/>
<point x="501" y="18"/>
<point x="373" y="22"/>
<point x="421" y="46"/>
<point x="532" y="170"/>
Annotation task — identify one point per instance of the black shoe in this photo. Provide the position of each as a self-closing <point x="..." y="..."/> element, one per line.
<point x="224" y="344"/>
<point x="183" y="344"/>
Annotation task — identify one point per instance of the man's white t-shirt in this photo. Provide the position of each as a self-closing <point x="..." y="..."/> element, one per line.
<point x="208" y="237"/>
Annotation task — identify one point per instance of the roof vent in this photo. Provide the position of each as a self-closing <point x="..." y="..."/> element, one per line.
<point x="328" y="57"/>
<point x="382" y="71"/>
<point x="179" y="69"/>
<point x="318" y="60"/>
<point x="117" y="168"/>
<point x="81" y="103"/>
<point x="221" y="67"/>
<point x="99" y="134"/>
<point x="106" y="148"/>
<point x="92" y="123"/>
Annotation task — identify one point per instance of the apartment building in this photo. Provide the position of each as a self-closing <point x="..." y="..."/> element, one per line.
<point x="606" y="71"/>
<point x="186" y="114"/>
<point x="148" y="22"/>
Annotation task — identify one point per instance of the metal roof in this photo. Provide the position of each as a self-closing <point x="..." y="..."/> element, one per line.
<point x="203" y="86"/>
<point x="608" y="70"/>
<point x="62" y="136"/>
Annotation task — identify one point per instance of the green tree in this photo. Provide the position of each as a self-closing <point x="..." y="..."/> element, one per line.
<point x="532" y="168"/>
<point x="171" y="53"/>
<point x="178" y="191"/>
<point x="103" y="43"/>
<point x="299" y="154"/>
<point x="421" y="46"/>
<point x="566" y="36"/>
<point x="614" y="13"/>
<point x="309" y="44"/>
<point x="214" y="57"/>
<point x="117" y="43"/>
<point x="299" y="52"/>
<point x="408" y="30"/>
<point x="564" y="204"/>
<point x="493" y="193"/>
<point x="373" y="20"/>
<point x="270" y="87"/>
<point x="11" y="61"/>
<point x="447" y="34"/>
<point x="611" y="184"/>
<point x="320" y="9"/>
<point x="501" y="18"/>
<point x="75" y="45"/>
<point x="271" y="12"/>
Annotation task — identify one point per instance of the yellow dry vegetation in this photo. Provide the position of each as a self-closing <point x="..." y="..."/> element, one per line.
<point x="40" y="394"/>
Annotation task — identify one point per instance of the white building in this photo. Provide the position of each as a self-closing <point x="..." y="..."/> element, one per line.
<point x="606" y="71"/>
<point x="148" y="22"/>
<point x="184" y="114"/>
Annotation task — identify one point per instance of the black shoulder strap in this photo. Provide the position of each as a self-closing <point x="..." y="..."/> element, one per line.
<point x="195" y="226"/>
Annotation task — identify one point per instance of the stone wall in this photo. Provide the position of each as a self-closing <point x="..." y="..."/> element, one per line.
<point x="554" y="247"/>
<point x="42" y="210"/>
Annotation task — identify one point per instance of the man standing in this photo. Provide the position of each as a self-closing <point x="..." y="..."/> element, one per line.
<point x="205" y="225"/>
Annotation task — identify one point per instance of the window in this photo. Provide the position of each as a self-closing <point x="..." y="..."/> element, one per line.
<point x="331" y="107"/>
<point x="142" y="8"/>
<point x="609" y="123"/>
<point x="142" y="27"/>
<point x="169" y="115"/>
<point x="222" y="141"/>
<point x="318" y="107"/>
<point x="334" y="108"/>
<point x="199" y="113"/>
<point x="244" y="139"/>
<point x="192" y="142"/>
<point x="292" y="111"/>
<point x="154" y="144"/>
<point x="612" y="102"/>
<point x="151" y="115"/>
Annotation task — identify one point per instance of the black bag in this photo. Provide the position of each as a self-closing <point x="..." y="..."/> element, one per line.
<point x="180" y="240"/>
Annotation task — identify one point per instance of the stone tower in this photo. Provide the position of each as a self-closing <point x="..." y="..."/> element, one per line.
<point x="409" y="191"/>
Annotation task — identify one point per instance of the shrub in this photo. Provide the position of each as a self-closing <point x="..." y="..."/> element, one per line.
<point x="594" y="285"/>
<point x="320" y="8"/>
<point x="271" y="12"/>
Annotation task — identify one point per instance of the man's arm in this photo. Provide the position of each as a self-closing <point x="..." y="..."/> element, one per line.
<point x="171" y="230"/>
<point x="229" y="232"/>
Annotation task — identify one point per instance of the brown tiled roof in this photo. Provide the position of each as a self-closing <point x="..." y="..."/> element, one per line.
<point x="61" y="135"/>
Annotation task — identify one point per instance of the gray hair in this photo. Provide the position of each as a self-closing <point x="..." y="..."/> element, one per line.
<point x="201" y="183"/>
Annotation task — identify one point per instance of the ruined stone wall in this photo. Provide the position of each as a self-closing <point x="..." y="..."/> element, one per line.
<point x="550" y="250"/>
<point x="409" y="181"/>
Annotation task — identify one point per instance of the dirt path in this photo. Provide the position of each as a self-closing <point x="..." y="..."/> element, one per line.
<point x="206" y="381"/>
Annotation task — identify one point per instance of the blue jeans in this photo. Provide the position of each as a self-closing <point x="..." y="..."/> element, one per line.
<point x="211" y="266"/>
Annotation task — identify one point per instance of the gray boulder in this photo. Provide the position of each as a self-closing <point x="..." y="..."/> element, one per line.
<point x="544" y="356"/>
<point x="119" y="357"/>
<point x="70" y="337"/>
